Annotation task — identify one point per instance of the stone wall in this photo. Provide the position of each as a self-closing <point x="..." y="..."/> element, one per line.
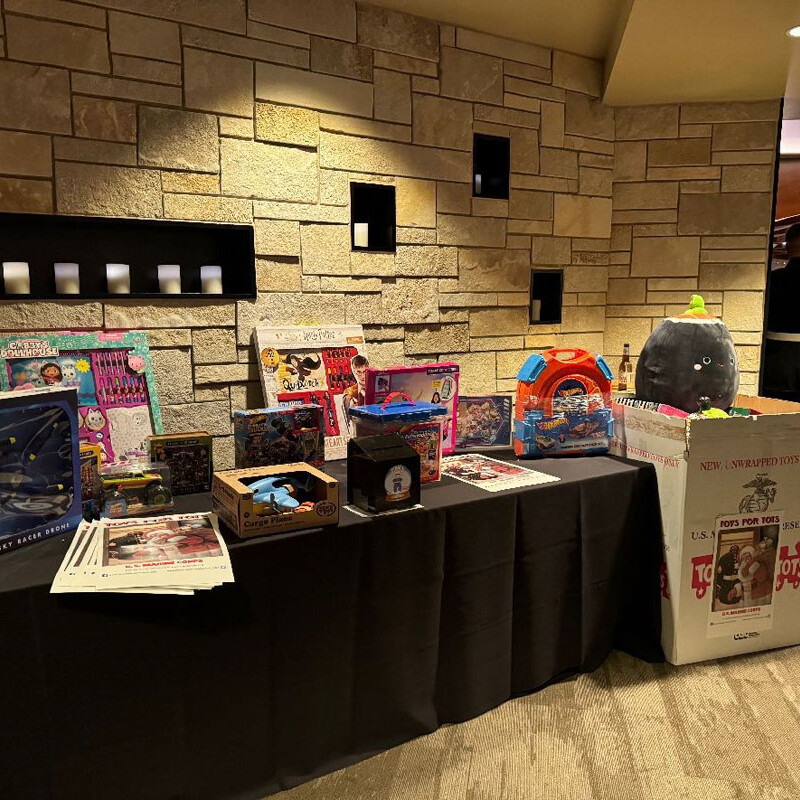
<point x="263" y="111"/>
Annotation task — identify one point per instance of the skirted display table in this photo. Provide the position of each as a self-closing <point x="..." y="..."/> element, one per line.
<point x="332" y="645"/>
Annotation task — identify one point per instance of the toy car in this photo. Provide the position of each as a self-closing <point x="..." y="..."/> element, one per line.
<point x="121" y="489"/>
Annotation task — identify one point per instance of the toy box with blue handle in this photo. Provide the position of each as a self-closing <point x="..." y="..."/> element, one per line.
<point x="563" y="404"/>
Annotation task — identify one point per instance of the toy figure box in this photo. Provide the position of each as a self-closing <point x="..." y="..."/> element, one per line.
<point x="383" y="473"/>
<point x="483" y="422"/>
<point x="428" y="383"/>
<point x="112" y="372"/>
<point x="40" y="488"/>
<point x="282" y="435"/>
<point x="91" y="458"/>
<point x="326" y="366"/>
<point x="275" y="499"/>
<point x="731" y="522"/>
<point x="563" y="404"/>
<point x="418" y="423"/>
<point x="189" y="458"/>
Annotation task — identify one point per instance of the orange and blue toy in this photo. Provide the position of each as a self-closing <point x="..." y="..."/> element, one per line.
<point x="563" y="404"/>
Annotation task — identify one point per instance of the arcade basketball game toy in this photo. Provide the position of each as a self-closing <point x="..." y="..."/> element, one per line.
<point x="563" y="404"/>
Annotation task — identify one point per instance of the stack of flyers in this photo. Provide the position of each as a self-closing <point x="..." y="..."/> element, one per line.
<point x="174" y="554"/>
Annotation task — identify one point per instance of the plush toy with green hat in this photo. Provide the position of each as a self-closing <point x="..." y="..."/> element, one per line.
<point x="688" y="357"/>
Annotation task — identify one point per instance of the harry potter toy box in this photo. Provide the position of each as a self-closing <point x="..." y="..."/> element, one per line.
<point x="282" y="435"/>
<point x="275" y="499"/>
<point x="730" y="514"/>
<point x="40" y="488"/>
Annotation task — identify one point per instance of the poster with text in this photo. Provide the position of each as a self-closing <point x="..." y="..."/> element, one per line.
<point x="322" y="365"/>
<point x="745" y="556"/>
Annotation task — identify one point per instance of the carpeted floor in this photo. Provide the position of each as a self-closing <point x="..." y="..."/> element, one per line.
<point x="630" y="731"/>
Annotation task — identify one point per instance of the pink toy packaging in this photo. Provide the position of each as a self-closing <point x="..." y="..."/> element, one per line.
<point x="429" y="383"/>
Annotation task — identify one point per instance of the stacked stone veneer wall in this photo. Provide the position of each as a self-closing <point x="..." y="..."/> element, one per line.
<point x="263" y="111"/>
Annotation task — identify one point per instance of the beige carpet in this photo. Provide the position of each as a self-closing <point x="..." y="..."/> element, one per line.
<point x="630" y="731"/>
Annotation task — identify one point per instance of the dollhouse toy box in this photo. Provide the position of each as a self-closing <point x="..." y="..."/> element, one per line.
<point x="112" y="372"/>
<point x="40" y="486"/>
<point x="730" y="512"/>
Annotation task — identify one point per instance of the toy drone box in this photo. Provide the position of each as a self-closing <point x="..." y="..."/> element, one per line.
<point x="563" y="404"/>
<point x="426" y="383"/>
<point x="189" y="458"/>
<point x="282" y="435"/>
<point x="275" y="499"/>
<point x="40" y="484"/>
<point x="730" y="512"/>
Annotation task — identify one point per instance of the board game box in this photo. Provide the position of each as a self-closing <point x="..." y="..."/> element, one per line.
<point x="189" y="458"/>
<point x="483" y="421"/>
<point x="321" y="365"/>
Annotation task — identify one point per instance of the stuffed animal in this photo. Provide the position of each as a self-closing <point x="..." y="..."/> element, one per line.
<point x="687" y="358"/>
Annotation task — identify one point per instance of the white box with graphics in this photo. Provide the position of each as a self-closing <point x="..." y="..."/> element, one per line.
<point x="730" y="507"/>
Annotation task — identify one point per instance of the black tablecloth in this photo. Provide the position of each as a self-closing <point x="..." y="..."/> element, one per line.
<point x="332" y="644"/>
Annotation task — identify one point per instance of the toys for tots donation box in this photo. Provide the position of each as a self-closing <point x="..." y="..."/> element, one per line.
<point x="324" y="366"/>
<point x="730" y="509"/>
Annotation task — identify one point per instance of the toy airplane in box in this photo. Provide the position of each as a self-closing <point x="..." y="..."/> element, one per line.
<point x="563" y="404"/>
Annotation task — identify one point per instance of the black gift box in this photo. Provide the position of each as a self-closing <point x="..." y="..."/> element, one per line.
<point x="383" y="473"/>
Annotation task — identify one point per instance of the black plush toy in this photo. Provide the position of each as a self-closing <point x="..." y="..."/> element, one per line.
<point x="686" y="358"/>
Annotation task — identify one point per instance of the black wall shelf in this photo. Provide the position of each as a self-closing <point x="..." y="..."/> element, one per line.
<point x="547" y="286"/>
<point x="42" y="240"/>
<point x="373" y="204"/>
<point x="491" y="165"/>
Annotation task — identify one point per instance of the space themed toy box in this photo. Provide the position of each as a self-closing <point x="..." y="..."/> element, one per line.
<point x="563" y="404"/>
<point x="40" y="488"/>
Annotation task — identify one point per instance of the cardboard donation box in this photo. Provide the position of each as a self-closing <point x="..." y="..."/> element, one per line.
<point x="730" y="508"/>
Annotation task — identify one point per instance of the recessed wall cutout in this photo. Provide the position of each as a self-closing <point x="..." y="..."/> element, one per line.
<point x="545" y="297"/>
<point x="491" y="163"/>
<point x="99" y="258"/>
<point x="372" y="217"/>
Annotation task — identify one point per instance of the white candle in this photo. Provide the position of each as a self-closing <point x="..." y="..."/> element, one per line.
<point x="68" y="279"/>
<point x="477" y="184"/>
<point x="169" y="278"/>
<point x="118" y="277"/>
<point x="17" y="277"/>
<point x="536" y="310"/>
<point x="360" y="234"/>
<point x="211" y="279"/>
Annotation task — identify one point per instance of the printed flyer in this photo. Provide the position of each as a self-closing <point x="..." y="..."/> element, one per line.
<point x="326" y="366"/>
<point x="745" y="557"/>
<point x="491" y="474"/>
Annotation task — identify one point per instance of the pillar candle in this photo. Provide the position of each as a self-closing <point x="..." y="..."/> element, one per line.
<point x="118" y="277"/>
<point x="211" y="279"/>
<point x="360" y="234"/>
<point x="17" y="277"/>
<point x="169" y="278"/>
<point x="68" y="280"/>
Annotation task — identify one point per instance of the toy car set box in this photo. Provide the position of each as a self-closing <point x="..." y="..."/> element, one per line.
<point x="281" y="435"/>
<point x="189" y="458"/>
<point x="563" y="404"/>
<point x="40" y="489"/>
<point x="484" y="421"/>
<point x="383" y="473"/>
<point x="275" y="499"/>
<point x="730" y="514"/>
<point x="129" y="490"/>
<point x="436" y="384"/>
<point x="419" y="423"/>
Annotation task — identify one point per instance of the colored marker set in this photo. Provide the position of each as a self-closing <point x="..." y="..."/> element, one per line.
<point x="116" y="385"/>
